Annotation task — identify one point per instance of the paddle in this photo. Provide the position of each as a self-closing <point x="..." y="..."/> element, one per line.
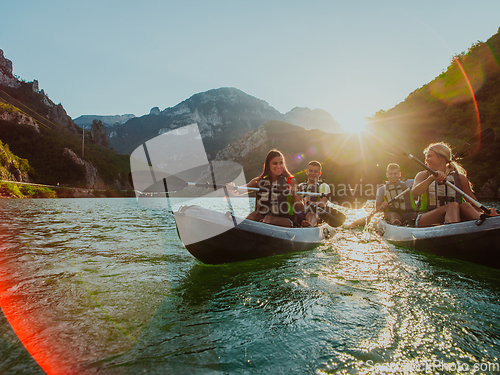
<point x="433" y="172"/>
<point x="365" y="220"/>
<point x="174" y="183"/>
<point x="330" y="215"/>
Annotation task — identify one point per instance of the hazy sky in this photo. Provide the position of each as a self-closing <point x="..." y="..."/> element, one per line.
<point x="351" y="58"/>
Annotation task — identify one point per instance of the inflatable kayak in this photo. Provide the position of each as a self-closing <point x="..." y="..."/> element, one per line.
<point x="214" y="238"/>
<point x="466" y="240"/>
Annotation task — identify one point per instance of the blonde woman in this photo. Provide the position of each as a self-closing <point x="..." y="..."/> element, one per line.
<point x="443" y="205"/>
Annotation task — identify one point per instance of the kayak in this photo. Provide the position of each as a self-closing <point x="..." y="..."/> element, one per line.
<point x="466" y="240"/>
<point x="215" y="238"/>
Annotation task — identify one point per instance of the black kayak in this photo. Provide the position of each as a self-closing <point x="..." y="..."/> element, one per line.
<point x="215" y="238"/>
<point x="466" y="240"/>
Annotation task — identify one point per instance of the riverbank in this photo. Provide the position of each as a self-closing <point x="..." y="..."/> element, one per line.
<point x="23" y="190"/>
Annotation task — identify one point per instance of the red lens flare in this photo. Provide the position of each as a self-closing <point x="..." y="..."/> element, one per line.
<point x="473" y="96"/>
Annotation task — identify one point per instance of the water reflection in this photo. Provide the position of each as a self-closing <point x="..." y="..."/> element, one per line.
<point x="433" y="309"/>
<point x="283" y="313"/>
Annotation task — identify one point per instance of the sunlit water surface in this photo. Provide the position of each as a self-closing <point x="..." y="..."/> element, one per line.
<point x="105" y="286"/>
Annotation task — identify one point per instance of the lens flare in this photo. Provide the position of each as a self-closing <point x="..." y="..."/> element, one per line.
<point x="460" y="83"/>
<point x="472" y="93"/>
<point x="451" y="87"/>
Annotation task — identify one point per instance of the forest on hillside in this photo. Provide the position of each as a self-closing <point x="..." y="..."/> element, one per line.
<point x="454" y="107"/>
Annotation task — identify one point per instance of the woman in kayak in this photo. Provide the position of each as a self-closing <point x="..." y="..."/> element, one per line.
<point x="277" y="200"/>
<point x="443" y="205"/>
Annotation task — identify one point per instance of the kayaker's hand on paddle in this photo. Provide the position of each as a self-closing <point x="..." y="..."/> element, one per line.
<point x="440" y="178"/>
<point x="493" y="212"/>
<point x="232" y="188"/>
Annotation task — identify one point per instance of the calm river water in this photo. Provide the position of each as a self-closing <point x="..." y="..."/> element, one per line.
<point x="104" y="286"/>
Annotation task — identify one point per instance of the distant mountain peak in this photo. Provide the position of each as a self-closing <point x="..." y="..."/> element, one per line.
<point x="230" y="95"/>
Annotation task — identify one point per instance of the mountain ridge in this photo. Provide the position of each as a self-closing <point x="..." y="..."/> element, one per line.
<point x="223" y="115"/>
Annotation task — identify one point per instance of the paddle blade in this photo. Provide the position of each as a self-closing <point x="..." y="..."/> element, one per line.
<point x="199" y="181"/>
<point x="154" y="181"/>
<point x="142" y="180"/>
<point x="168" y="184"/>
<point x="332" y="217"/>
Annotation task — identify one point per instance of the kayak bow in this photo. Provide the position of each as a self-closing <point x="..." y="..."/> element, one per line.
<point x="464" y="240"/>
<point x="211" y="236"/>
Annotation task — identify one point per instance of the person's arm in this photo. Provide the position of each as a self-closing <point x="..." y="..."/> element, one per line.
<point x="466" y="186"/>
<point x="467" y="190"/>
<point x="379" y="200"/>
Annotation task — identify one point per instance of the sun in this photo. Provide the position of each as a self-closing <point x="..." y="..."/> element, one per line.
<point x="353" y="123"/>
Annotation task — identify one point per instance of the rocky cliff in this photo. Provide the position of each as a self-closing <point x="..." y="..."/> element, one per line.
<point x="12" y="114"/>
<point x="92" y="178"/>
<point x="44" y="159"/>
<point x="58" y="115"/>
<point x="99" y="135"/>
<point x="6" y="76"/>
<point x="28" y="97"/>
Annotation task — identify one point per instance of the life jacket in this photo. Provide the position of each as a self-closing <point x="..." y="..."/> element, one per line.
<point x="430" y="200"/>
<point x="315" y="188"/>
<point x="271" y="197"/>
<point x="404" y="203"/>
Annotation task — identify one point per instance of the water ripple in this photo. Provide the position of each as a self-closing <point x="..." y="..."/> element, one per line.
<point x="105" y="286"/>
